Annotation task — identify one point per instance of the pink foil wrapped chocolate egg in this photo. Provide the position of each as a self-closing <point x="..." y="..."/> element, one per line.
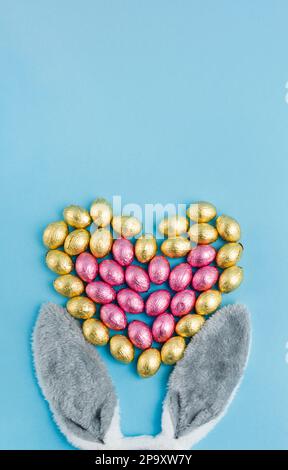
<point x="130" y="301"/>
<point x="111" y="272"/>
<point x="159" y="269"/>
<point x="100" y="292"/>
<point x="123" y="251"/>
<point x="201" y="255"/>
<point x="140" y="334"/>
<point x="86" y="267"/>
<point x="158" y="302"/>
<point x="180" y="277"/>
<point x="137" y="278"/>
<point x="113" y="317"/>
<point x="163" y="327"/>
<point x="183" y="302"/>
<point x="205" y="278"/>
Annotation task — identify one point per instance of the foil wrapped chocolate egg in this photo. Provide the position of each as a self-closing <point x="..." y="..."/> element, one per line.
<point x="173" y="226"/>
<point x="122" y="349"/>
<point x="95" y="332"/>
<point x="137" y="278"/>
<point x="130" y="301"/>
<point x="101" y="242"/>
<point x="201" y="211"/>
<point x="86" y="267"/>
<point x="123" y="251"/>
<point x="208" y="302"/>
<point x="182" y="302"/>
<point x="76" y="242"/>
<point x="230" y="279"/>
<point x="229" y="254"/>
<point x="159" y="269"/>
<point x="111" y="272"/>
<point x="101" y="212"/>
<point x="157" y="302"/>
<point x="201" y="255"/>
<point x="163" y="327"/>
<point x="205" y="278"/>
<point x="113" y="317"/>
<point x="68" y="285"/>
<point x="180" y="277"/>
<point x="76" y="216"/>
<point x="140" y="334"/>
<point x="81" y="307"/>
<point x="189" y="325"/>
<point x="145" y="248"/>
<point x="176" y="247"/>
<point x="228" y="228"/>
<point x="54" y="234"/>
<point x="126" y="225"/>
<point x="148" y="362"/>
<point x="203" y="233"/>
<point x="100" y="292"/>
<point x="173" y="350"/>
<point x="59" y="262"/>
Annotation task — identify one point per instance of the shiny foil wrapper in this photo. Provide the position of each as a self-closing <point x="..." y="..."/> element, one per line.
<point x="158" y="302"/>
<point x="201" y="211"/>
<point x="54" y="234"/>
<point x="122" y="349"/>
<point x="201" y="256"/>
<point x="69" y="285"/>
<point x="101" y="212"/>
<point x="76" y="216"/>
<point x="86" y="267"/>
<point x="228" y="228"/>
<point x="145" y="248"/>
<point x="140" y="334"/>
<point x="59" y="262"/>
<point x="113" y="317"/>
<point x="123" y="251"/>
<point x="183" y="302"/>
<point x="77" y="242"/>
<point x="111" y="272"/>
<point x="203" y="233"/>
<point x="173" y="226"/>
<point x="173" y="350"/>
<point x="148" y="362"/>
<point x="189" y="325"/>
<point x="137" y="278"/>
<point x="180" y="277"/>
<point x="130" y="301"/>
<point x="126" y="225"/>
<point x="100" y="292"/>
<point x="230" y="279"/>
<point x="229" y="254"/>
<point x="81" y="307"/>
<point x="159" y="270"/>
<point x="205" y="278"/>
<point x="176" y="247"/>
<point x="101" y="242"/>
<point x="208" y="302"/>
<point x="95" y="332"/>
<point x="163" y="327"/>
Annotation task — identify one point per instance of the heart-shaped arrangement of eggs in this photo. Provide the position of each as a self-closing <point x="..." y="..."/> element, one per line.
<point x="123" y="284"/>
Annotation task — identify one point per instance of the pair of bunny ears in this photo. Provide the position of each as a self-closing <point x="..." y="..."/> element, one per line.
<point x="81" y="396"/>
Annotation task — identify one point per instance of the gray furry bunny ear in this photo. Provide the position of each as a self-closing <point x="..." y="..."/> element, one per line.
<point x="81" y="396"/>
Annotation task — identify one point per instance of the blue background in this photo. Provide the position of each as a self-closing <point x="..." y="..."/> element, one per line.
<point x="158" y="101"/>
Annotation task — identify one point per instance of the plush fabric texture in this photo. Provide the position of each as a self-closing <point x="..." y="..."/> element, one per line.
<point x="73" y="378"/>
<point x="202" y="383"/>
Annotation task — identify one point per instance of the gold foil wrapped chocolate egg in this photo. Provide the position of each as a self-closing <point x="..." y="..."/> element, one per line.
<point x="229" y="254"/>
<point x="173" y="350"/>
<point x="69" y="285"/>
<point x="176" y="247"/>
<point x="81" y="307"/>
<point x="77" y="242"/>
<point x="148" y="362"/>
<point x="101" y="242"/>
<point x="201" y="212"/>
<point x="59" y="262"/>
<point x="76" y="216"/>
<point x="127" y="226"/>
<point x="101" y="212"/>
<point x="122" y="349"/>
<point x="228" y="228"/>
<point x="189" y="325"/>
<point x="208" y="302"/>
<point x="230" y="279"/>
<point x="145" y="248"/>
<point x="95" y="332"/>
<point x="203" y="233"/>
<point x="173" y="226"/>
<point x="54" y="234"/>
